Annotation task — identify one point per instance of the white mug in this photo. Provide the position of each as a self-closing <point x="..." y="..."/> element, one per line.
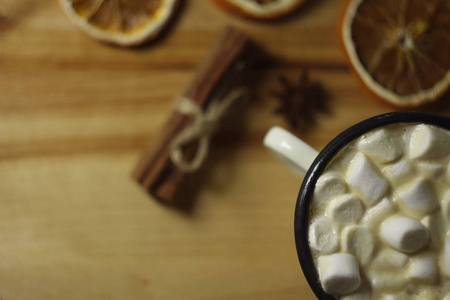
<point x="306" y="161"/>
<point x="291" y="150"/>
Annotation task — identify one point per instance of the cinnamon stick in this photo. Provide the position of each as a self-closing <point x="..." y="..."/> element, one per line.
<point x="219" y="71"/>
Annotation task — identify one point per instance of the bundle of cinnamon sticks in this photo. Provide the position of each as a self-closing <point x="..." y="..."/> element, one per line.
<point x="225" y="69"/>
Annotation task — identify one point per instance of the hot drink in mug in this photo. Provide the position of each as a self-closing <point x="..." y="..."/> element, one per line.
<point x="372" y="218"/>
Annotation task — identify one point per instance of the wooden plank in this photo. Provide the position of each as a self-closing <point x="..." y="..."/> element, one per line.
<point x="75" y="115"/>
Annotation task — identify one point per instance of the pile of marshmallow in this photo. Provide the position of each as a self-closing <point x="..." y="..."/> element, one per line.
<point x="380" y="215"/>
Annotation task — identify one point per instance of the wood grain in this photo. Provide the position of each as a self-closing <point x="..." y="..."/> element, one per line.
<point x="76" y="114"/>
<point x="155" y="171"/>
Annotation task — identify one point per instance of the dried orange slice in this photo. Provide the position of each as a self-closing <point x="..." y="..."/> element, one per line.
<point x="260" y="9"/>
<point x="121" y="22"/>
<point x="400" y="49"/>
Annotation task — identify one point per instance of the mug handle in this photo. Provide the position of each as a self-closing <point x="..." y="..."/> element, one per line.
<point x="294" y="152"/>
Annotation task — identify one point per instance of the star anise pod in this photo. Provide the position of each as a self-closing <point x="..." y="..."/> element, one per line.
<point x="300" y="102"/>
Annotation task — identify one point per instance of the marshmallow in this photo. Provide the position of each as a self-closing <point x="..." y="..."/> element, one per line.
<point x="359" y="241"/>
<point x="429" y="142"/>
<point x="447" y="256"/>
<point x="381" y="146"/>
<point x="430" y="170"/>
<point x="387" y="279"/>
<point x="361" y="293"/>
<point x="339" y="273"/>
<point x="328" y="186"/>
<point x="376" y="214"/>
<point x="436" y="227"/>
<point x="423" y="269"/>
<point x="416" y="197"/>
<point x="446" y="205"/>
<point x="389" y="258"/>
<point x="399" y="171"/>
<point x="360" y="174"/>
<point x="345" y="209"/>
<point x="323" y="236"/>
<point x="356" y="296"/>
<point x="392" y="297"/>
<point x="404" y="234"/>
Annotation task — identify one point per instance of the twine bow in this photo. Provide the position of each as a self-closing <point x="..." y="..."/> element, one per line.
<point x="203" y="126"/>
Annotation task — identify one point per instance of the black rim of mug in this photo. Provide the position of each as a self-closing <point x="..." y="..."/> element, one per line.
<point x="301" y="220"/>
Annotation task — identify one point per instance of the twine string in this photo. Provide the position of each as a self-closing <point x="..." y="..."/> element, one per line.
<point x="203" y="126"/>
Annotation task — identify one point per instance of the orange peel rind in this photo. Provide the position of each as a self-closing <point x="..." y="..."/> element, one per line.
<point x="399" y="49"/>
<point x="121" y="22"/>
<point x="262" y="9"/>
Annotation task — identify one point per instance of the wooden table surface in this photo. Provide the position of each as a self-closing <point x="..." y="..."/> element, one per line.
<point x="75" y="115"/>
